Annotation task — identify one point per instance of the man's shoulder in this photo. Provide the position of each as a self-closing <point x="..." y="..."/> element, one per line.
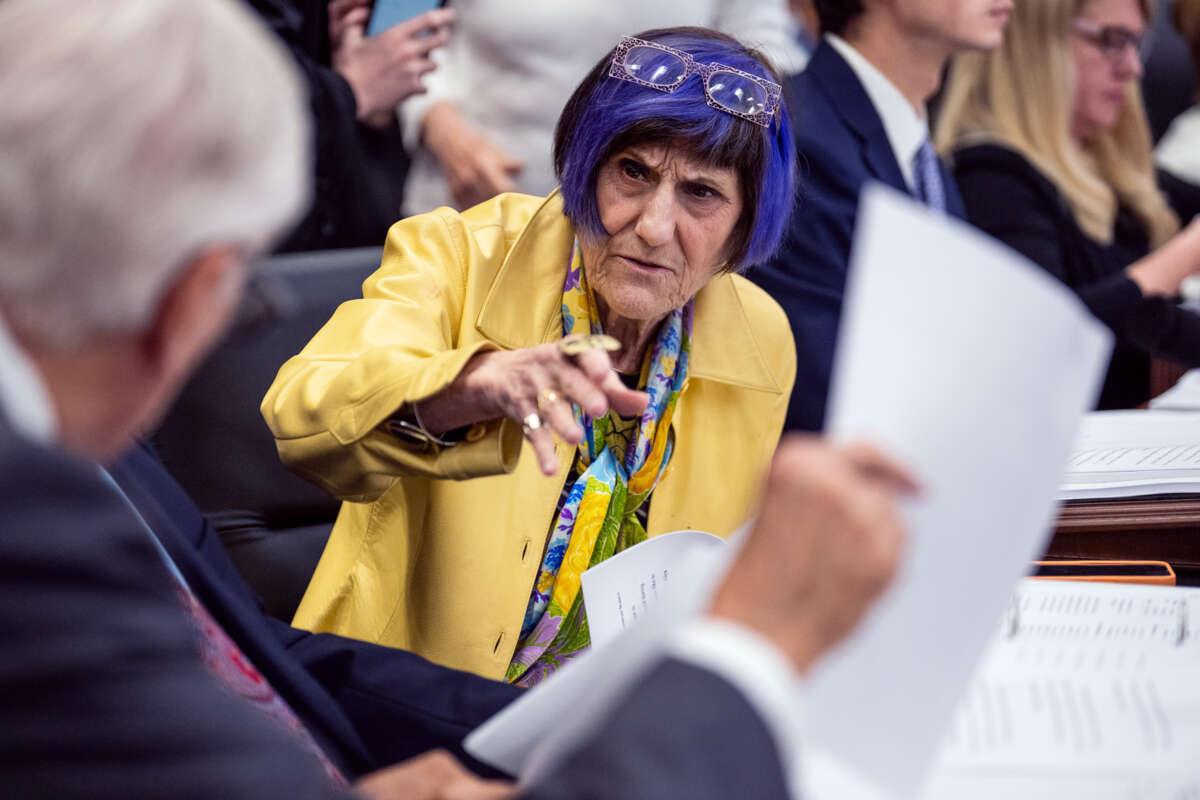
<point x="64" y="528"/>
<point x="819" y="95"/>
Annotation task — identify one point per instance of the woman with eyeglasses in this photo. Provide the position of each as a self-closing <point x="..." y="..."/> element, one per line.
<point x="1051" y="151"/>
<point x="534" y="384"/>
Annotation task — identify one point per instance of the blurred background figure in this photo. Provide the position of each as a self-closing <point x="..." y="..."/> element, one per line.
<point x="808" y="24"/>
<point x="1169" y="82"/>
<point x="1179" y="149"/>
<point x="1052" y="126"/>
<point x="486" y="124"/>
<point x="354" y="85"/>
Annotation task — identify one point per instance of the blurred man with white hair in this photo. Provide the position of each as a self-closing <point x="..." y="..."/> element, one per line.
<point x="148" y="148"/>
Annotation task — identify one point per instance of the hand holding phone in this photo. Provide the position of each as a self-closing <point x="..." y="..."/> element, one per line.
<point x="385" y="69"/>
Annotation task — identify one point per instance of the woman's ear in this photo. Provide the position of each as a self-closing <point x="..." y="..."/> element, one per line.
<point x="195" y="310"/>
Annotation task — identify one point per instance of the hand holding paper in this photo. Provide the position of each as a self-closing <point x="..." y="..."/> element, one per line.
<point x="826" y="542"/>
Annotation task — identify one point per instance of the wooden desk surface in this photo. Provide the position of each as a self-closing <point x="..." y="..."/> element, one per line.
<point x="1159" y="529"/>
<point x="1154" y="529"/>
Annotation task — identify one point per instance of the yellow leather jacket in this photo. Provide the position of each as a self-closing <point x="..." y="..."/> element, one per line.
<point x="421" y="557"/>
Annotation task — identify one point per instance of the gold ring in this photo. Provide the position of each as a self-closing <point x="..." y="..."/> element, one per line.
<point x="579" y="343"/>
<point x="546" y="397"/>
<point x="531" y="423"/>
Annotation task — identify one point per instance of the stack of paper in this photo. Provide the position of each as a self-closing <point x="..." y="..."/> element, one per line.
<point x="1133" y="454"/>
<point x="1086" y="687"/>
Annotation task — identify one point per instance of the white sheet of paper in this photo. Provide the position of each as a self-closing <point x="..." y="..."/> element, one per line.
<point x="573" y="700"/>
<point x="1095" y="682"/>
<point x="971" y="366"/>
<point x="1134" y="453"/>
<point x="620" y="591"/>
<point x="1183" y="396"/>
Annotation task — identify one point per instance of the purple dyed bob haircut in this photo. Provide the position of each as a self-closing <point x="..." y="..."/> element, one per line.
<point x="606" y="115"/>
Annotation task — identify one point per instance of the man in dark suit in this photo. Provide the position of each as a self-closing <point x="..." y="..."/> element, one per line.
<point x="859" y="116"/>
<point x="134" y="663"/>
<point x="372" y="705"/>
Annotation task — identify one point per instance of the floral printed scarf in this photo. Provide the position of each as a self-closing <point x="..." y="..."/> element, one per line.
<point x="598" y="517"/>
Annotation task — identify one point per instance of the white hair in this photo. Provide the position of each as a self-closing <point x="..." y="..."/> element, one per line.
<point x="133" y="134"/>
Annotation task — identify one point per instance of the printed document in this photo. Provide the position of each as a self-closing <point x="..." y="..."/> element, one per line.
<point x="1133" y="454"/>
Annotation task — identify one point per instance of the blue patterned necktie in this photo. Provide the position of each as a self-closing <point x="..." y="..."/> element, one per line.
<point x="928" y="173"/>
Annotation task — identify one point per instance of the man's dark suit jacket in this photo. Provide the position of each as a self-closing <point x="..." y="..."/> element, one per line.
<point x="841" y="145"/>
<point x="368" y="705"/>
<point x="359" y="171"/>
<point x="102" y="693"/>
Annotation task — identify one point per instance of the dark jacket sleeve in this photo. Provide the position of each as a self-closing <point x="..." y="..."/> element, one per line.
<point x="1184" y="196"/>
<point x="682" y="732"/>
<point x="102" y="692"/>
<point x="1006" y="197"/>
<point x="359" y="171"/>
<point x="401" y="704"/>
<point x="333" y="105"/>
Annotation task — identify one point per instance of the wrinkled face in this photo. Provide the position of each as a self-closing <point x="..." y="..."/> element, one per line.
<point x="1104" y="51"/>
<point x="669" y="218"/>
<point x="957" y="24"/>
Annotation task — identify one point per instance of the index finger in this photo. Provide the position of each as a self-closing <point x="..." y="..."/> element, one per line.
<point x="595" y="363"/>
<point x="435" y="18"/>
<point x="339" y="7"/>
<point x="875" y="464"/>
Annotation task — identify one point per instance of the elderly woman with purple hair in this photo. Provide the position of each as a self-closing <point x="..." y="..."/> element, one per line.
<point x="602" y="332"/>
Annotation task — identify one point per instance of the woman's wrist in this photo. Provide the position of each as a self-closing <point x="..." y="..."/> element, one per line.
<point x="465" y="401"/>
<point x="441" y="127"/>
<point x="1163" y="271"/>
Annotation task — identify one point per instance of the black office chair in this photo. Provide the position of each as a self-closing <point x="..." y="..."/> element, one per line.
<point x="214" y="441"/>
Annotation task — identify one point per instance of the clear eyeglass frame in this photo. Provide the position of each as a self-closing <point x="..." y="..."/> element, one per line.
<point x="1112" y="40"/>
<point x="771" y="91"/>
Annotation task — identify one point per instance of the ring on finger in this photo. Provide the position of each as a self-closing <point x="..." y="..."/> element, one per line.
<point x="531" y="423"/>
<point x="546" y="398"/>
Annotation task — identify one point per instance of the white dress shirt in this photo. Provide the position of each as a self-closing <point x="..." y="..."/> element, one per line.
<point x="511" y="66"/>
<point x="24" y="400"/>
<point x="906" y="129"/>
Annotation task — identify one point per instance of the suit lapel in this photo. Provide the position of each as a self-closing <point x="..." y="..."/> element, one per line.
<point x="846" y="95"/>
<point x="147" y="485"/>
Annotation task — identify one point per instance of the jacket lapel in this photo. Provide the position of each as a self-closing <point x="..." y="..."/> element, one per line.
<point x="144" y="481"/>
<point x="849" y="100"/>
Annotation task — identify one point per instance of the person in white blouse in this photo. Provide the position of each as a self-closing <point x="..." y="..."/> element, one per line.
<point x="1179" y="150"/>
<point x="485" y="125"/>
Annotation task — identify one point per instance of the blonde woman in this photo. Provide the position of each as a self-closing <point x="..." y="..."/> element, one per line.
<point x="1052" y="154"/>
<point x="1179" y="150"/>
